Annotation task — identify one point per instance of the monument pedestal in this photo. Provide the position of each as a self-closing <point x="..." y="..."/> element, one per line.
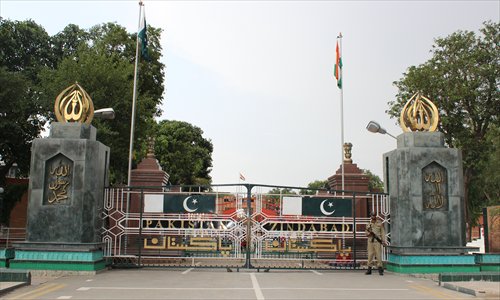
<point x="425" y="184"/>
<point x="67" y="179"/>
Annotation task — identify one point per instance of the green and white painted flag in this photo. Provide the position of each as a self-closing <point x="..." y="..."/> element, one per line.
<point x="317" y="206"/>
<point x="143" y="36"/>
<point x="179" y="203"/>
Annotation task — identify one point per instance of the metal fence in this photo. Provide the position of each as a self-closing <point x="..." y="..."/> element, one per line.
<point x="239" y="226"/>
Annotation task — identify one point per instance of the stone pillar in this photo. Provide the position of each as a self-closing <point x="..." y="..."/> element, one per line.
<point x="425" y="183"/>
<point x="69" y="171"/>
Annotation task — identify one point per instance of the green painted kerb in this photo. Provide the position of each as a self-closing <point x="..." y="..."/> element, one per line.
<point x="58" y="265"/>
<point x="426" y="269"/>
<point x="431" y="259"/>
<point x="6" y="253"/>
<point x="59" y="256"/>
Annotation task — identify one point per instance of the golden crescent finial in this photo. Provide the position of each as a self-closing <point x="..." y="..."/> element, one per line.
<point x="74" y="104"/>
<point x="419" y="114"/>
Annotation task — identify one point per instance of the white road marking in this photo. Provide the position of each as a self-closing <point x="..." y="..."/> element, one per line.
<point x="256" y="287"/>
<point x="316" y="272"/>
<point x="190" y="269"/>
<point x="88" y="280"/>
<point x="64" y="297"/>
<point x="236" y="288"/>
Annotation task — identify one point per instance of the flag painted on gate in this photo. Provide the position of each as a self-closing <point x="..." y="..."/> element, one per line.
<point x="338" y="67"/>
<point x="194" y="204"/>
<point x="317" y="206"/>
<point x="143" y="36"/>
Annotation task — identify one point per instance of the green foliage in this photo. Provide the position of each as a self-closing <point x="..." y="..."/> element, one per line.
<point x="274" y="194"/>
<point x="315" y="186"/>
<point x="9" y="198"/>
<point x="183" y="152"/>
<point x="462" y="79"/>
<point x="375" y="184"/>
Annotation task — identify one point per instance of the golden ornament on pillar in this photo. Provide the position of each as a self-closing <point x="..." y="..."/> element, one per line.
<point x="74" y="105"/>
<point x="419" y="114"/>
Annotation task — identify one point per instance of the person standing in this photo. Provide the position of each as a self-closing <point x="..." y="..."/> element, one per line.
<point x="376" y="238"/>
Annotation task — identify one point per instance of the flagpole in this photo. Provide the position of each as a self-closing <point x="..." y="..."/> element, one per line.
<point x="134" y="98"/>
<point x="341" y="112"/>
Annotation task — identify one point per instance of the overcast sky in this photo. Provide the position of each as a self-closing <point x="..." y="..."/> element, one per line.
<point x="257" y="76"/>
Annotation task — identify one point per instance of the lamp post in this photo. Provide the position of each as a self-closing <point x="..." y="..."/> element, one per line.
<point x="376" y="128"/>
<point x="105" y="113"/>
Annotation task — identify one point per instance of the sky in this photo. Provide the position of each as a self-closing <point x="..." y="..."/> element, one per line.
<point x="257" y="76"/>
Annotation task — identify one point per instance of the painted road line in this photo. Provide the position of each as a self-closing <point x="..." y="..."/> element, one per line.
<point x="256" y="287"/>
<point x="233" y="288"/>
<point x="156" y="289"/>
<point x="433" y="292"/>
<point x="316" y="272"/>
<point x="41" y="288"/>
<point x="190" y="269"/>
<point x="64" y="297"/>
<point x="40" y="291"/>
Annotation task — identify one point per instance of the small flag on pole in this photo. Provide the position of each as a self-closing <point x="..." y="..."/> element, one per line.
<point x="143" y="36"/>
<point x="338" y="67"/>
<point x="242" y="177"/>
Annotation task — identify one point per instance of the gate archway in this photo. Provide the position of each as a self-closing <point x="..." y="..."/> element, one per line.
<point x="239" y="226"/>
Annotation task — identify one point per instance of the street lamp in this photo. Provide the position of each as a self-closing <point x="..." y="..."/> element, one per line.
<point x="105" y="113"/>
<point x="375" y="127"/>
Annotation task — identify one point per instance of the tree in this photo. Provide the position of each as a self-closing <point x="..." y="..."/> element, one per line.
<point x="102" y="61"/>
<point x="462" y="79"/>
<point x="314" y="186"/>
<point x="183" y="152"/>
<point x="375" y="184"/>
<point x="25" y="51"/>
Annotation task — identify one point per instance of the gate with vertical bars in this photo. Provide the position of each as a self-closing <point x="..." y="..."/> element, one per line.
<point x="239" y="226"/>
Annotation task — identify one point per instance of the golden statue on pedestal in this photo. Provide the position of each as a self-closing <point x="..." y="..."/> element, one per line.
<point x="419" y="114"/>
<point x="74" y="105"/>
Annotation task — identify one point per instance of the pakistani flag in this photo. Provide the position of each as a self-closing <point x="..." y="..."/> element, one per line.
<point x="317" y="206"/>
<point x="143" y="36"/>
<point x="338" y="67"/>
<point x="179" y="203"/>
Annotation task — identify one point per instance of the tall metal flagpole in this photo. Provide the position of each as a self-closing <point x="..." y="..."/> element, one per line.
<point x="341" y="111"/>
<point x="134" y="97"/>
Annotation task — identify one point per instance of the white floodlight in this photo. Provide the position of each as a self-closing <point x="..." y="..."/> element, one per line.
<point x="376" y="128"/>
<point x="105" y="113"/>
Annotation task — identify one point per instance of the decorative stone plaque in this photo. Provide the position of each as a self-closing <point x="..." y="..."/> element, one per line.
<point x="435" y="187"/>
<point x="58" y="183"/>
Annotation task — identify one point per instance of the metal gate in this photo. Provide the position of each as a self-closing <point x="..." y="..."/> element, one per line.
<point x="239" y="226"/>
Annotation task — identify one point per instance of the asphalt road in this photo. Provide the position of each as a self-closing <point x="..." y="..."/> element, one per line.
<point x="246" y="284"/>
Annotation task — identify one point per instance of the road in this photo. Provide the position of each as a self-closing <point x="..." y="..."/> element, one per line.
<point x="246" y="284"/>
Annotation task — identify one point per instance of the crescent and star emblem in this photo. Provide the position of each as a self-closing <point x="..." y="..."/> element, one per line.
<point x="323" y="210"/>
<point x="185" y="204"/>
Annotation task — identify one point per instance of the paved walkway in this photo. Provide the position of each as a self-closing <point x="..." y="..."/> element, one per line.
<point x="246" y="284"/>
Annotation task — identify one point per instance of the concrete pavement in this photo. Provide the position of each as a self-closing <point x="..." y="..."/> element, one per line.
<point x="246" y="284"/>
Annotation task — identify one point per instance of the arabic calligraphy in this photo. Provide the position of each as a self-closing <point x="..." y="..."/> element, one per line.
<point x="58" y="183"/>
<point x="74" y="105"/>
<point x="435" y="198"/>
<point x="304" y="245"/>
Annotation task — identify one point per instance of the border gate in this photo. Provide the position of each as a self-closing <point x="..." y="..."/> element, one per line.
<point x="239" y="226"/>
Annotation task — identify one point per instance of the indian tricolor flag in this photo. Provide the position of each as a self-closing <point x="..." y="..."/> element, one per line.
<point x="338" y="67"/>
<point x="317" y="206"/>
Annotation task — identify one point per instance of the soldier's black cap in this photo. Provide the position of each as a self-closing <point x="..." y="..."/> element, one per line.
<point x="373" y="214"/>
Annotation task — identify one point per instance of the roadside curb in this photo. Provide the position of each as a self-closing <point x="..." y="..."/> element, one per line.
<point x="459" y="289"/>
<point x="11" y="286"/>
